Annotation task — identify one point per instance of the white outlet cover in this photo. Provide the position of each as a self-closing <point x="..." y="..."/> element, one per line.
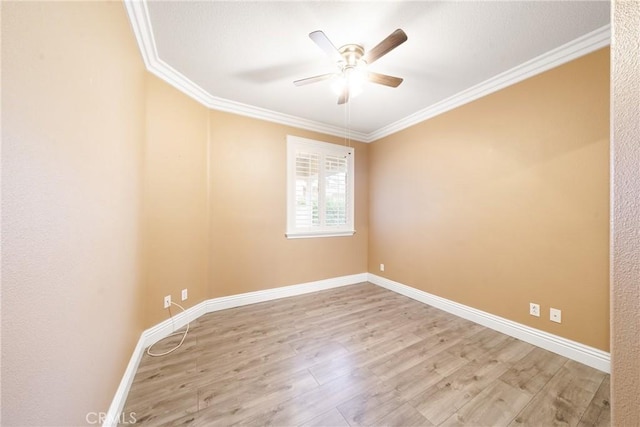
<point x="534" y="309"/>
<point x="185" y="294"/>
<point x="555" y="315"/>
<point x="381" y="267"/>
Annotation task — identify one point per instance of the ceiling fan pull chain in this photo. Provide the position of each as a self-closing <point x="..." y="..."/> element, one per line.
<point x="349" y="124"/>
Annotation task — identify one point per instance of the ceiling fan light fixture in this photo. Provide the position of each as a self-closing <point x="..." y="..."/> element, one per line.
<point x="351" y="79"/>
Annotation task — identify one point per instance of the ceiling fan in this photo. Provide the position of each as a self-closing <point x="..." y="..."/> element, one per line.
<point x="352" y="62"/>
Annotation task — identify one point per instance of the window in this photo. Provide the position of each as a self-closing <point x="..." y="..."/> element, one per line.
<point x="320" y="182"/>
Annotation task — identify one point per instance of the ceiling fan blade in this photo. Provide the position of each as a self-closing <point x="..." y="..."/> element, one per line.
<point x="394" y="40"/>
<point x="313" y="79"/>
<point x="325" y="44"/>
<point x="383" y="79"/>
<point x="344" y="97"/>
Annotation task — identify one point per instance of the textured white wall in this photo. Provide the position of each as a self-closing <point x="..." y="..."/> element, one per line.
<point x="625" y="216"/>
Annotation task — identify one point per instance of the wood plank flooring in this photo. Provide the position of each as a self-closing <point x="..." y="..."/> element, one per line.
<point x="360" y="355"/>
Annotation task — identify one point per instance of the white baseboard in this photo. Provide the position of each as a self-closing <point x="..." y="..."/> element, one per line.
<point x="286" y="291"/>
<point x="590" y="356"/>
<point x="167" y="327"/>
<point x="117" y="404"/>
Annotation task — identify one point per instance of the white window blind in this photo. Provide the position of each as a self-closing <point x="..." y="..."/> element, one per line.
<point x="320" y="182"/>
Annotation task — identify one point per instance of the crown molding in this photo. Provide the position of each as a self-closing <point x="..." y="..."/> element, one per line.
<point x="576" y="48"/>
<point x="141" y="25"/>
<point x="222" y="104"/>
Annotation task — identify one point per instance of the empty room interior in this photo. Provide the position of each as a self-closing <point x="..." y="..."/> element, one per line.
<point x="320" y="213"/>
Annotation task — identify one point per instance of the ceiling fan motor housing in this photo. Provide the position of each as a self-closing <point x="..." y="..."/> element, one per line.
<point x="352" y="56"/>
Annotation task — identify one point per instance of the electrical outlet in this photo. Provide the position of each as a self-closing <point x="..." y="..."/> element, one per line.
<point x="381" y="267"/>
<point x="167" y="301"/>
<point x="534" y="309"/>
<point x="185" y="294"/>
<point x="555" y="315"/>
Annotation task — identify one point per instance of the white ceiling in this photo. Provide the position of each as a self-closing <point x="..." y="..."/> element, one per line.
<point x="243" y="56"/>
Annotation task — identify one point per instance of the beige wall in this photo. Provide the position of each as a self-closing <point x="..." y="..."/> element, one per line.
<point x="505" y="201"/>
<point x="72" y="133"/>
<point x="215" y="206"/>
<point x="175" y="201"/>
<point x="625" y="242"/>
<point x="249" y="250"/>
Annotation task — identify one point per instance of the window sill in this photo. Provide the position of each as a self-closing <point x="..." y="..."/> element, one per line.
<point x="312" y="234"/>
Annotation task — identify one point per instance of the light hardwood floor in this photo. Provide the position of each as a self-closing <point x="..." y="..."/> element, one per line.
<point x="360" y="355"/>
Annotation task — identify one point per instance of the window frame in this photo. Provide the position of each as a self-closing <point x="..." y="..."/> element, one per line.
<point x="296" y="144"/>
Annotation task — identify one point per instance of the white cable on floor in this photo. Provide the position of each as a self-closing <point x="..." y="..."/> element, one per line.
<point x="174" y="334"/>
